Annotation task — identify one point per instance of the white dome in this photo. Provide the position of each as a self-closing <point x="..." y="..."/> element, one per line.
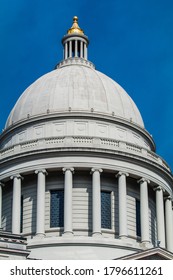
<point x="78" y="87"/>
<point x="77" y="120"/>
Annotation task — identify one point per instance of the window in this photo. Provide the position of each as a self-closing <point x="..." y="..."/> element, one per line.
<point x="106" y="209"/>
<point x="57" y="208"/>
<point x="21" y="214"/>
<point x="138" y="218"/>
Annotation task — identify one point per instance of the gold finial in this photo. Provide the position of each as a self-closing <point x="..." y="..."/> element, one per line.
<point x="75" y="27"/>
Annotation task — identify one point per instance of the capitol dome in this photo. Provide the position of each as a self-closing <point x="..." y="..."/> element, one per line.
<point x="79" y="173"/>
<point x="78" y="87"/>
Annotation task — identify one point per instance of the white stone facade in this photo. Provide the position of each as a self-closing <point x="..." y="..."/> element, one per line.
<point x="77" y="131"/>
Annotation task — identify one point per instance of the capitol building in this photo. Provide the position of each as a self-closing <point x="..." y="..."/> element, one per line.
<point x="79" y="174"/>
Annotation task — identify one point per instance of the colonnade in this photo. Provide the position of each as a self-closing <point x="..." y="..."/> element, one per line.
<point x="164" y="215"/>
<point x="75" y="48"/>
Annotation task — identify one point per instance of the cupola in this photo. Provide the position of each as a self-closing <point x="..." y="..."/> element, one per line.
<point x="75" y="42"/>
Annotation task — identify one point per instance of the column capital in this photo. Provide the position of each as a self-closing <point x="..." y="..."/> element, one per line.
<point x="41" y="171"/>
<point x="18" y="176"/>
<point x="142" y="180"/>
<point x="159" y="188"/>
<point x="2" y="184"/>
<point x="120" y="173"/>
<point x="168" y="197"/>
<point x="96" y="169"/>
<point x="64" y="169"/>
<point x="169" y="223"/>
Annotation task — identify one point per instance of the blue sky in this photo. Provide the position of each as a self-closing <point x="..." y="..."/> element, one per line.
<point x="130" y="41"/>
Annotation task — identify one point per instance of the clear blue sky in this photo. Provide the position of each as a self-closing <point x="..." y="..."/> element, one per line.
<point x="130" y="40"/>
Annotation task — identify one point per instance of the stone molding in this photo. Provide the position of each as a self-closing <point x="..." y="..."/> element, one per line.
<point x="75" y="61"/>
<point x="65" y="115"/>
<point x="110" y="145"/>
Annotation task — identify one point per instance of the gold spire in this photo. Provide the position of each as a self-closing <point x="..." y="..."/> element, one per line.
<point x="75" y="27"/>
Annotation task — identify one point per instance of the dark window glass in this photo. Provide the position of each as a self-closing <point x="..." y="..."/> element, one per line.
<point x="73" y="48"/>
<point x="138" y="218"/>
<point x="106" y="209"/>
<point x="21" y="215"/>
<point x="57" y="208"/>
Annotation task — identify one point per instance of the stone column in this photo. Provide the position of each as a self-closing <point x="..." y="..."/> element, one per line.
<point x="1" y="185"/>
<point x="85" y="51"/>
<point x="16" y="205"/>
<point x="70" y="48"/>
<point x="68" y="188"/>
<point x="75" y="52"/>
<point x="81" y="49"/>
<point x="144" y="210"/>
<point x="169" y="225"/>
<point x="41" y="188"/>
<point x="172" y="214"/>
<point x="160" y="216"/>
<point x="96" y="201"/>
<point x="122" y="196"/>
<point x="66" y="51"/>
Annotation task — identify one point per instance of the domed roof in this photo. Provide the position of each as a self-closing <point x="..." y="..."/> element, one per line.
<point x="75" y="86"/>
<point x="78" y="87"/>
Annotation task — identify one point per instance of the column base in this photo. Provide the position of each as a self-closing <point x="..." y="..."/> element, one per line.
<point x="123" y="236"/>
<point x="96" y="234"/>
<point x="68" y="234"/>
<point x="146" y="244"/>
<point x="40" y="235"/>
<point x="145" y="241"/>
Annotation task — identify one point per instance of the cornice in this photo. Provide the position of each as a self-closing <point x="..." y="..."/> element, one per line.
<point x="19" y="156"/>
<point x="156" y="176"/>
<point x="83" y="143"/>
